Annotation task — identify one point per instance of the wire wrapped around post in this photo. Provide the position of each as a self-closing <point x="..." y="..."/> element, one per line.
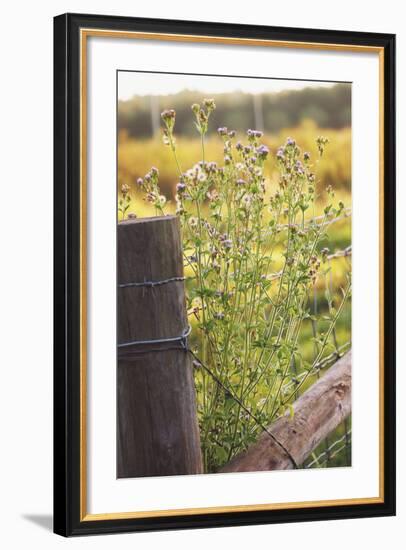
<point x="157" y="428"/>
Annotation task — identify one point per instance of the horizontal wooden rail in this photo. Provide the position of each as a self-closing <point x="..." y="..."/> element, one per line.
<point x="316" y="414"/>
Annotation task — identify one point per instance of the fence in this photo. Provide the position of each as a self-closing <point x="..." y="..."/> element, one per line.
<point x="156" y="404"/>
<point x="156" y="411"/>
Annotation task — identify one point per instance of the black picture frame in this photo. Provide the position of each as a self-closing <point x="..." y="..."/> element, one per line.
<point x="67" y="381"/>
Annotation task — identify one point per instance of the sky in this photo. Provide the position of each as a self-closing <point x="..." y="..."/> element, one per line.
<point x="133" y="83"/>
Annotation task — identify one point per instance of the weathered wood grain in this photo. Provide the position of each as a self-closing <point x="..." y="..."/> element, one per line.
<point x="157" y="429"/>
<point x="316" y="414"/>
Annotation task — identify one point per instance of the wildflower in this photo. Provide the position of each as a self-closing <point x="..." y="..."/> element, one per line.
<point x="262" y="151"/>
<point x="162" y="200"/>
<point x="231" y="134"/>
<point x="180" y="187"/>
<point x="211" y="167"/>
<point x="125" y="189"/>
<point x="254" y="135"/>
<point x="209" y="104"/>
<point x="227" y="160"/>
<point x="154" y="172"/>
<point x="315" y="261"/>
<point x="222" y="131"/>
<point x="239" y="146"/>
<point x="168" y="116"/>
<point x="280" y="154"/>
<point x="324" y="253"/>
<point x="306" y="155"/>
<point x="299" y="167"/>
<point x="227" y="243"/>
<point x="212" y="195"/>
<point x="247" y="200"/>
<point x="215" y="265"/>
<point x="195" y="108"/>
<point x="140" y="182"/>
<point x="240" y="182"/>
<point x="193" y="221"/>
<point x="213" y="251"/>
<point x="321" y="142"/>
<point x="290" y="142"/>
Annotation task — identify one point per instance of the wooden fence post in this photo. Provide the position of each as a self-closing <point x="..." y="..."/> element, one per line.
<point x="157" y="429"/>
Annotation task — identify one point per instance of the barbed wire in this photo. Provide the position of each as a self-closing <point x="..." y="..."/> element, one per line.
<point x="331" y="451"/>
<point x="152" y="284"/>
<point x="321" y="365"/>
<point x="340" y="253"/>
<point x="311" y="222"/>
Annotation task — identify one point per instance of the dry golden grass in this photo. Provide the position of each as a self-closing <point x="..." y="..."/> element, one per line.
<point x="135" y="157"/>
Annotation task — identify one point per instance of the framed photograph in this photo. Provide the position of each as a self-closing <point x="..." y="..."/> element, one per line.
<point x="224" y="274"/>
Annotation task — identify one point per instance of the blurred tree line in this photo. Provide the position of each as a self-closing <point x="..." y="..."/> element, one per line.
<point x="327" y="107"/>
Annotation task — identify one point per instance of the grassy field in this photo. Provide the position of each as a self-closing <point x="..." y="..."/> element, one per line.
<point x="135" y="157"/>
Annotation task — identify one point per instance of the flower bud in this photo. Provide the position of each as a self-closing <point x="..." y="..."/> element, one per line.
<point x="209" y="104"/>
<point x="168" y="115"/>
<point x="180" y="187"/>
<point x="262" y="151"/>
